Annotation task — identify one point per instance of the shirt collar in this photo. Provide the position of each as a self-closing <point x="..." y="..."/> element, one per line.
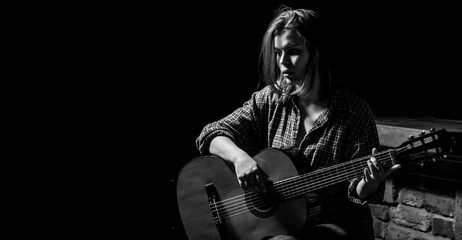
<point x="339" y="102"/>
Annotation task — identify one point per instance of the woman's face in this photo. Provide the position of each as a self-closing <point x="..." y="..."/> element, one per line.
<point x="291" y="56"/>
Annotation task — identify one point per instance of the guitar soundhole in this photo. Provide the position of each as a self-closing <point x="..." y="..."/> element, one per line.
<point x="261" y="205"/>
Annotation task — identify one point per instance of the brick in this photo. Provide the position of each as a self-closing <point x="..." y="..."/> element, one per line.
<point x="458" y="215"/>
<point x="412" y="217"/>
<point x="395" y="232"/>
<point x="426" y="236"/>
<point x="443" y="226"/>
<point x="439" y="204"/>
<point x="380" y="211"/>
<point x="411" y="197"/>
<point x="390" y="191"/>
<point x="379" y="228"/>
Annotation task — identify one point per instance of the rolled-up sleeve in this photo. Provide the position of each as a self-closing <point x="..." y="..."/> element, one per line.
<point x="362" y="146"/>
<point x="243" y="126"/>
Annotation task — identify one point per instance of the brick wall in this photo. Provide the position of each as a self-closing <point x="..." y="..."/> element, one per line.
<point x="420" y="203"/>
<point x="414" y="212"/>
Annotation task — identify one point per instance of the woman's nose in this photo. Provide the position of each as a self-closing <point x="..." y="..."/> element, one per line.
<point x="284" y="59"/>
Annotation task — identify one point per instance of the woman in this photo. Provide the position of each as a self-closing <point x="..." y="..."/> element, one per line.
<point x="302" y="109"/>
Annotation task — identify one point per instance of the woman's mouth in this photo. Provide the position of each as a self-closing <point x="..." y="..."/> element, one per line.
<point x="288" y="74"/>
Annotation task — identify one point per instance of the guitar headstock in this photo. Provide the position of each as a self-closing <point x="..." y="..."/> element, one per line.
<point x="426" y="146"/>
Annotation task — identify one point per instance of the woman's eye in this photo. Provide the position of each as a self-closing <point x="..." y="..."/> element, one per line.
<point x="293" y="51"/>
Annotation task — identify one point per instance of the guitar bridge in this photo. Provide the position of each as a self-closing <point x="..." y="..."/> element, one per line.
<point x="213" y="198"/>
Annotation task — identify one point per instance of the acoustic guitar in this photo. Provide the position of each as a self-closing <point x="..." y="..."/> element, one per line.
<point x="212" y="205"/>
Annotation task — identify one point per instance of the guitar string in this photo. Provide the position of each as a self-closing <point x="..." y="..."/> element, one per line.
<point x="335" y="167"/>
<point x="323" y="179"/>
<point x="257" y="204"/>
<point x="294" y="178"/>
<point x="321" y="183"/>
<point x="355" y="171"/>
<point x="318" y="181"/>
<point x="239" y="198"/>
<point x="327" y="181"/>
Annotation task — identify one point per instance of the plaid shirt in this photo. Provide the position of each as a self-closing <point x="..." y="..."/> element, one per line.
<point x="346" y="130"/>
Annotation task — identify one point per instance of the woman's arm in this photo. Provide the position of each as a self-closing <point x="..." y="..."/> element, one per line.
<point x="247" y="171"/>
<point x="245" y="126"/>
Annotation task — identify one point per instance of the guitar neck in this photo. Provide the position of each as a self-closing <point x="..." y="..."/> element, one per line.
<point x="300" y="185"/>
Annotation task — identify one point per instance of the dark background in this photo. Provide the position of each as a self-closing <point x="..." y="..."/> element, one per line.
<point x="403" y="59"/>
<point x="161" y="72"/>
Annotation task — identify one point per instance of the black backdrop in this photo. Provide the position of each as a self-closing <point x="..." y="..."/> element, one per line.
<point x="401" y="58"/>
<point x="169" y="69"/>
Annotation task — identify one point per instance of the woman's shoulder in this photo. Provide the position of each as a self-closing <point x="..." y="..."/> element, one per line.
<point x="347" y="100"/>
<point x="355" y="98"/>
<point x="265" y="95"/>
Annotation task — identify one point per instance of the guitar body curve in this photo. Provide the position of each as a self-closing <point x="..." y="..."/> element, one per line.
<point x="245" y="223"/>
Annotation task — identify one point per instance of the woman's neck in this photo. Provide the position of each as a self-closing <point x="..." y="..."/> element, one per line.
<point x="313" y="100"/>
<point x="311" y="108"/>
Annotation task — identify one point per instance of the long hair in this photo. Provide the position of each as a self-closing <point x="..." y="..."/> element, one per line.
<point x="307" y="25"/>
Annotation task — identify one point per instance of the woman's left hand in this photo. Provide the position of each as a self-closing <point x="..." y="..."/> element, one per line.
<point x="375" y="173"/>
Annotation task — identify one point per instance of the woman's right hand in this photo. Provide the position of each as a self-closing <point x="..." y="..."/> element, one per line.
<point x="249" y="175"/>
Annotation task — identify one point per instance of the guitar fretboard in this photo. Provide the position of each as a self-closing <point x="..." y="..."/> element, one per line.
<point x="308" y="182"/>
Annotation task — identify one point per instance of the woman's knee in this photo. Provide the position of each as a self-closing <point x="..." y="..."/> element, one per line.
<point x="281" y="237"/>
<point x="317" y="232"/>
<point x="328" y="231"/>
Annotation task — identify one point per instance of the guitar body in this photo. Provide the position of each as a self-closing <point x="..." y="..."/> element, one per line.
<point x="245" y="219"/>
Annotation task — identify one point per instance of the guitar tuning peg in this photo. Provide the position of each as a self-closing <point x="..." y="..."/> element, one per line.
<point x="421" y="163"/>
<point x="432" y="130"/>
<point x="422" y="133"/>
<point x="410" y="137"/>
